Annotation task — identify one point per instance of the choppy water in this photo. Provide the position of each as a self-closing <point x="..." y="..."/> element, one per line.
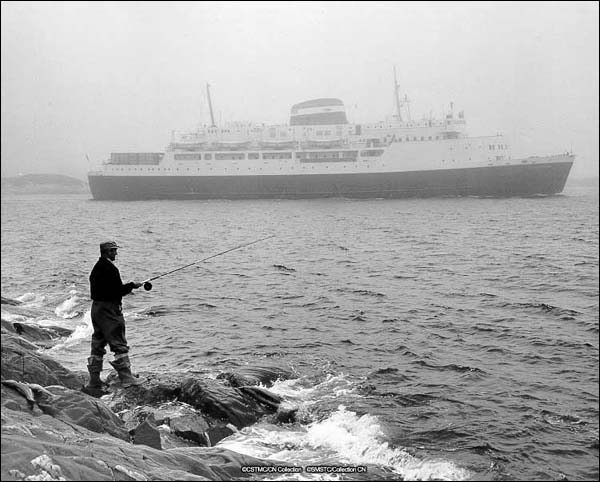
<point x="432" y="339"/>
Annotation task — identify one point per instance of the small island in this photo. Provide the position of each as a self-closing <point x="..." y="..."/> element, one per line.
<point x="44" y="184"/>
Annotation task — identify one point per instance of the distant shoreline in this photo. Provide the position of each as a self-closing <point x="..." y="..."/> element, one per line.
<point x="44" y="184"/>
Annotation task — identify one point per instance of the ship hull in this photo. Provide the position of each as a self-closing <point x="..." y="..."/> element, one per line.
<point x="490" y="181"/>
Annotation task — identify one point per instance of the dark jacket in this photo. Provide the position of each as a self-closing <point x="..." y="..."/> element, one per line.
<point x="106" y="284"/>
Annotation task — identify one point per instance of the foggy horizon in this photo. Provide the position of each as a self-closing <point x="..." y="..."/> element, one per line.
<point x="86" y="79"/>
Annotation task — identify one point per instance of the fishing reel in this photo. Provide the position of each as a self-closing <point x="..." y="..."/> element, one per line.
<point x="147" y="286"/>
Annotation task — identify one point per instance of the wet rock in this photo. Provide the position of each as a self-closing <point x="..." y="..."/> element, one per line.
<point x="15" y="399"/>
<point x="169" y="440"/>
<point x="7" y="327"/>
<point x="190" y="427"/>
<point x="68" y="405"/>
<point x="75" y="407"/>
<point x="18" y="341"/>
<point x="263" y="396"/>
<point x="42" y="336"/>
<point x="9" y="301"/>
<point x="155" y="389"/>
<point x="175" y="421"/>
<point x="133" y="418"/>
<point x="221" y="402"/>
<point x="94" y="392"/>
<point x="146" y="434"/>
<point x="166" y="411"/>
<point x="219" y="432"/>
<point x="21" y="362"/>
<point x="256" y="375"/>
<point x="286" y="413"/>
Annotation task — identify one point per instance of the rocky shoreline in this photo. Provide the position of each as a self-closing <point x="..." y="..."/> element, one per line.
<point x="163" y="429"/>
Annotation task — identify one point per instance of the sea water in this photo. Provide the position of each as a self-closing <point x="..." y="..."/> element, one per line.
<point x="446" y="339"/>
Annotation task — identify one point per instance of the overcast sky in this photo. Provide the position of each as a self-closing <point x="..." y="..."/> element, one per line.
<point x="93" y="78"/>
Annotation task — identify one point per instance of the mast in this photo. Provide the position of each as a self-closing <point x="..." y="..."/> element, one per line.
<point x="212" y="117"/>
<point x="396" y="88"/>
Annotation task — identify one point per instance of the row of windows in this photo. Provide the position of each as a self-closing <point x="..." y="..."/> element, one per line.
<point x="235" y="156"/>
<point x="228" y="157"/>
<point x="249" y="169"/>
<point x="407" y="138"/>
<point x="273" y="131"/>
<point x="229" y="131"/>
<point x="303" y="160"/>
<point x="388" y="138"/>
<point x="188" y="157"/>
<point x="325" y="155"/>
<point x="339" y="159"/>
<point x="410" y="124"/>
<point x="277" y="155"/>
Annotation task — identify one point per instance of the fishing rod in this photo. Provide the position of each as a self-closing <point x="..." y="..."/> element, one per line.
<point x="148" y="285"/>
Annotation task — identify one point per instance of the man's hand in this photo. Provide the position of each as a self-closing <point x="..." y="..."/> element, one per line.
<point x="136" y="285"/>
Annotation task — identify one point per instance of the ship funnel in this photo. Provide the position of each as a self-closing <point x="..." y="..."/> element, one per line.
<point x="318" y="112"/>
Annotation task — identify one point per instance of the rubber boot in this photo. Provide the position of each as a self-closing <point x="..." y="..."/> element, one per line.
<point x="123" y="368"/>
<point x="94" y="368"/>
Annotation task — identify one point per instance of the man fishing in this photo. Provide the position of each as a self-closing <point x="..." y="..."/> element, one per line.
<point x="107" y="290"/>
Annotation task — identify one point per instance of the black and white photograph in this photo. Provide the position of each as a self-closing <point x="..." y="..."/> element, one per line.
<point x="345" y="241"/>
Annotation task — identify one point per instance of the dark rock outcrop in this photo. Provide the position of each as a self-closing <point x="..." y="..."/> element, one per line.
<point x="155" y="389"/>
<point x="286" y="413"/>
<point x="255" y="375"/>
<point x="146" y="433"/>
<point x="20" y="361"/>
<point x="9" y="301"/>
<point x="191" y="427"/>
<point x="45" y="337"/>
<point x="262" y="396"/>
<point x="221" y="402"/>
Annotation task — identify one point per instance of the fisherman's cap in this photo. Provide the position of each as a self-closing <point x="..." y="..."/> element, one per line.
<point x="105" y="246"/>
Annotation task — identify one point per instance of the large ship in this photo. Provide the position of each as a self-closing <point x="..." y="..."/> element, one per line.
<point x="321" y="154"/>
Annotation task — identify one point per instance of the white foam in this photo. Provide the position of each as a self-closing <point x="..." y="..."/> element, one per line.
<point x="333" y="386"/>
<point x="66" y="309"/>
<point x="81" y="332"/>
<point x="15" y="317"/>
<point x="346" y="433"/>
<point x="292" y="390"/>
<point x="343" y="437"/>
<point x="30" y="298"/>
